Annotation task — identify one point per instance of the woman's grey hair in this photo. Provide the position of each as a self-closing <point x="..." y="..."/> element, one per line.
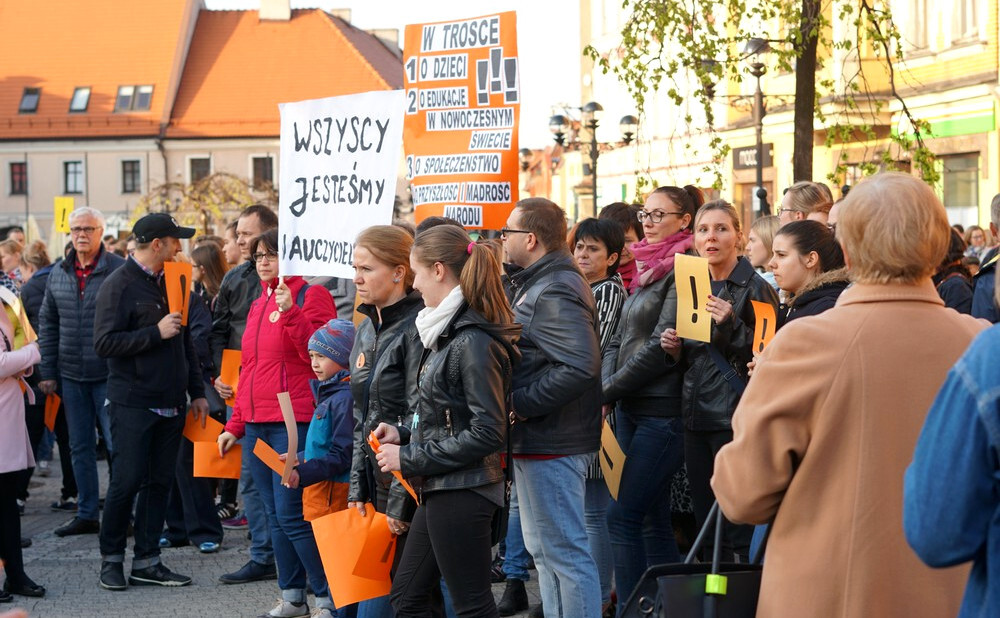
<point x="87" y="210"/>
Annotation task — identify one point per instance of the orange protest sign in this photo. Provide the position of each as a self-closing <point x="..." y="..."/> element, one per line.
<point x="374" y="443"/>
<point x="462" y="112"/>
<point x="341" y="537"/>
<point x="378" y="551"/>
<point x="229" y="373"/>
<point x="194" y="432"/>
<point x="269" y="456"/>
<point x="207" y="462"/>
<point x="765" y="324"/>
<point x="177" y="277"/>
<point x="52" y="403"/>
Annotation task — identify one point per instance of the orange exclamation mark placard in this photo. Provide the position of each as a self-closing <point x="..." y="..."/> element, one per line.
<point x="63" y="206"/>
<point x="177" y="276"/>
<point x="764" y="327"/>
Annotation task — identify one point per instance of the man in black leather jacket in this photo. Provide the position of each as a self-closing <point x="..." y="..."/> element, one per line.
<point x="239" y="288"/>
<point x="557" y="404"/>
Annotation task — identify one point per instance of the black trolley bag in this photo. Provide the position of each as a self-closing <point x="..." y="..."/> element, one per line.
<point x="696" y="590"/>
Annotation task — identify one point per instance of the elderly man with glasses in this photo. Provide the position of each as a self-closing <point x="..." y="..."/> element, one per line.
<point x="69" y="363"/>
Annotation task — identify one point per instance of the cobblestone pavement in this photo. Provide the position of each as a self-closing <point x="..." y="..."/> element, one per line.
<point x="69" y="567"/>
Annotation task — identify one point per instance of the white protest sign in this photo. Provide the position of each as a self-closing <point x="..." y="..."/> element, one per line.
<point x="339" y="159"/>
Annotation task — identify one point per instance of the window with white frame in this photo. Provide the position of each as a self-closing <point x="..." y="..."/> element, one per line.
<point x="965" y="21"/>
<point x="199" y="168"/>
<point x="131" y="176"/>
<point x="960" y="187"/>
<point x="72" y="177"/>
<point x="263" y="172"/>
<point x="911" y="18"/>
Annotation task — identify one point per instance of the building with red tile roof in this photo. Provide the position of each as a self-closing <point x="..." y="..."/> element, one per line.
<point x="104" y="100"/>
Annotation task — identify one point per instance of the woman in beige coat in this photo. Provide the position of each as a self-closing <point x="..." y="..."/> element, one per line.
<point x="828" y="423"/>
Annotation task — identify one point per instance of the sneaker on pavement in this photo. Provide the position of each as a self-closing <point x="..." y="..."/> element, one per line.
<point x="112" y="576"/>
<point x="68" y="505"/>
<point x="287" y="609"/>
<point x="321" y="612"/>
<point x="157" y="575"/>
<point x="20" y="506"/>
<point x="79" y="526"/>
<point x="251" y="572"/>
<point x="209" y="547"/>
<point x="43" y="468"/>
<point x="239" y="522"/>
<point x="227" y="511"/>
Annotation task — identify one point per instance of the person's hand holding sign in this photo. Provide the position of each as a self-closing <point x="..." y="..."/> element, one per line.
<point x="388" y="454"/>
<point x="720" y="309"/>
<point x="282" y="296"/>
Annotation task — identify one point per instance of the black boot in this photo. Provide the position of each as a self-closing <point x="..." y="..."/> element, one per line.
<point x="537" y="612"/>
<point x="514" y="600"/>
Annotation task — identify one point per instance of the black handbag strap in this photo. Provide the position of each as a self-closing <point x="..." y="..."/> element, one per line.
<point x="728" y="372"/>
<point x="715" y="517"/>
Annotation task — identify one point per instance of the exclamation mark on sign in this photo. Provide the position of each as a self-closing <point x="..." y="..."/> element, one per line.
<point x="510" y="79"/>
<point x="482" y="74"/>
<point x="694" y="300"/>
<point x="184" y="296"/>
<point x="65" y="219"/>
<point x="496" y="60"/>
<point x="763" y="331"/>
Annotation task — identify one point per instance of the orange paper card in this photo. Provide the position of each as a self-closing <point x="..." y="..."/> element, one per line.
<point x="269" y="456"/>
<point x="341" y="537"/>
<point x="285" y="402"/>
<point x="51" y="411"/>
<point x="765" y="324"/>
<point x="177" y="277"/>
<point x="373" y="442"/>
<point x="229" y="373"/>
<point x="194" y="432"/>
<point x="376" y="556"/>
<point x="207" y="462"/>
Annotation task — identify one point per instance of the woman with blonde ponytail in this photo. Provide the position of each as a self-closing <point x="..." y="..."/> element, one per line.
<point x="450" y="451"/>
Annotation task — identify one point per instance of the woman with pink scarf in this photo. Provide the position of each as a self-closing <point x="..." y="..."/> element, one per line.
<point x="647" y="392"/>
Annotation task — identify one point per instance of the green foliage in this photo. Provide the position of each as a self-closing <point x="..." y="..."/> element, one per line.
<point x="686" y="48"/>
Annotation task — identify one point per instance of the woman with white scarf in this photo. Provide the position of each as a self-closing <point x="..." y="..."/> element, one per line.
<point x="450" y="452"/>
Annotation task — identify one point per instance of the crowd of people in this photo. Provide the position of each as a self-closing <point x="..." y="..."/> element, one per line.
<point x="486" y="369"/>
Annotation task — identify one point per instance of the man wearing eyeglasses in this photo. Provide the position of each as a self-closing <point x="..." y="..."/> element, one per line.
<point x="69" y="363"/>
<point x="557" y="405"/>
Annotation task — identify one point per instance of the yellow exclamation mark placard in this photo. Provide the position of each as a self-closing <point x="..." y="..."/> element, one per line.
<point x="63" y="206"/>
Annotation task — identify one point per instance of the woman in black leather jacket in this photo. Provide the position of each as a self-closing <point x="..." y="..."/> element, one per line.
<point x="648" y="392"/>
<point x="383" y="374"/>
<point x="710" y="396"/>
<point x="450" y="451"/>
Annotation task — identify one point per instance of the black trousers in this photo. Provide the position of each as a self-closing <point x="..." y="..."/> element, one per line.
<point x="10" y="528"/>
<point x="144" y="462"/>
<point x="449" y="536"/>
<point x="191" y="513"/>
<point x="700" y="448"/>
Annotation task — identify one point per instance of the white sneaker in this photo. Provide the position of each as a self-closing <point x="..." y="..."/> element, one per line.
<point x="321" y="612"/>
<point x="287" y="609"/>
<point x="43" y="468"/>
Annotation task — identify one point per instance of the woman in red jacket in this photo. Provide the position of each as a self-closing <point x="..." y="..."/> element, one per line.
<point x="276" y="360"/>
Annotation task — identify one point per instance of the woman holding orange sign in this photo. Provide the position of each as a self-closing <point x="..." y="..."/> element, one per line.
<point x="450" y="450"/>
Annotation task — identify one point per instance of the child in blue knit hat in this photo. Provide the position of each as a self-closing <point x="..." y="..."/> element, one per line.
<point x="325" y="465"/>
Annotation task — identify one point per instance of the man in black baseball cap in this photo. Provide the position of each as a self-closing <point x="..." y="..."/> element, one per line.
<point x="153" y="372"/>
<point x="159" y="225"/>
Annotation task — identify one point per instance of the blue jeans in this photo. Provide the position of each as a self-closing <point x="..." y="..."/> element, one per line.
<point x="292" y="538"/>
<point x="595" y="516"/>
<point x="84" y="405"/>
<point x="261" y="551"/>
<point x="550" y="494"/>
<point x="639" y="521"/>
<point x="515" y="558"/>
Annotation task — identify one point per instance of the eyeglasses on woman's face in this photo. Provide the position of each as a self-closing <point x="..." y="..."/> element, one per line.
<point x="656" y="216"/>
<point x="269" y="256"/>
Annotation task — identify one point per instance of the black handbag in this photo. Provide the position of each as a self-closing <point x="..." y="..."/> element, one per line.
<point x="696" y="590"/>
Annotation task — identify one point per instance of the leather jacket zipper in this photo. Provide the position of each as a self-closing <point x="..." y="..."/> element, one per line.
<point x="447" y="421"/>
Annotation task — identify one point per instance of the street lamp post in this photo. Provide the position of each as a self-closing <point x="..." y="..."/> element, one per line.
<point x="590" y="115"/>
<point x="755" y="47"/>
